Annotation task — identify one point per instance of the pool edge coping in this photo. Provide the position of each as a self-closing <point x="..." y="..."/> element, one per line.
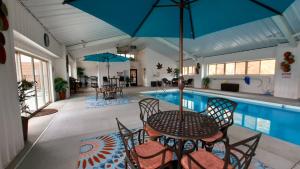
<point x="247" y="100"/>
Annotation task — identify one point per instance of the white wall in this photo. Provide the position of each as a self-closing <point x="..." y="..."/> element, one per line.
<point x="148" y="59"/>
<point x="27" y="25"/>
<point x="29" y="38"/>
<point x="259" y="84"/>
<point x="92" y="69"/>
<point x="10" y="121"/>
<point x="288" y="87"/>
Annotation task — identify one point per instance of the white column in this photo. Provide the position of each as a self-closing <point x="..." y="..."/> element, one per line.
<point x="10" y="119"/>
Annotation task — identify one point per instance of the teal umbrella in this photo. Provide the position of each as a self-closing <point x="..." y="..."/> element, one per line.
<point x="106" y="58"/>
<point x="179" y="18"/>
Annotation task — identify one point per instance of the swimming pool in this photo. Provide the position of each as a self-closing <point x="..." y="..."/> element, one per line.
<point x="279" y="121"/>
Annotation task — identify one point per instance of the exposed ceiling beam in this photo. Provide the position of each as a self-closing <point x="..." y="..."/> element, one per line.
<point x="186" y="54"/>
<point x="285" y="28"/>
<point x="98" y="42"/>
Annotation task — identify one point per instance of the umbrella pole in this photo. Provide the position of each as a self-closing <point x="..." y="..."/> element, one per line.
<point x="181" y="83"/>
<point x="108" y="69"/>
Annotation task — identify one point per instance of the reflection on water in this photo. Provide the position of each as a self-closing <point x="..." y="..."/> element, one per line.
<point x="259" y="124"/>
<point x="279" y="123"/>
<point x="188" y="104"/>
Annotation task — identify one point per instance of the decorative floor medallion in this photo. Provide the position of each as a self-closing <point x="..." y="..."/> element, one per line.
<point x="107" y="152"/>
<point x="103" y="152"/>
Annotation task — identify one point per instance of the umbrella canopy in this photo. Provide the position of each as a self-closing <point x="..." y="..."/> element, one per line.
<point x="160" y="18"/>
<point x="179" y="18"/>
<point x="105" y="57"/>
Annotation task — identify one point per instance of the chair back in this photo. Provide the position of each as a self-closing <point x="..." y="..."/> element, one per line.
<point x="94" y="81"/>
<point x="221" y="110"/>
<point x="129" y="140"/>
<point x="242" y="152"/>
<point x="190" y="81"/>
<point x="121" y="79"/>
<point x="148" y="106"/>
<point x="165" y="80"/>
<point x="105" y="79"/>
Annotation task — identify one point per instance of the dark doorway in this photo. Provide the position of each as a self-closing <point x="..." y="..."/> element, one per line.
<point x="133" y="77"/>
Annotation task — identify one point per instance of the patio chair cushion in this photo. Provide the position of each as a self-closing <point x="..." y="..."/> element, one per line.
<point x="151" y="132"/>
<point x="150" y="148"/>
<point x="206" y="159"/>
<point x="213" y="138"/>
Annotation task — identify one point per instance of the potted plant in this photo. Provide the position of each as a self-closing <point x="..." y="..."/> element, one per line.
<point x="61" y="86"/>
<point x="25" y="92"/>
<point x="176" y="72"/>
<point x="127" y="79"/>
<point x="205" y="82"/>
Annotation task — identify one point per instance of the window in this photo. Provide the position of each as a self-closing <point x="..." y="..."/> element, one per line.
<point x="267" y="67"/>
<point x="188" y="70"/>
<point x="191" y="70"/>
<point x="258" y="67"/>
<point x="185" y="70"/>
<point x="220" y="69"/>
<point x="240" y="68"/>
<point x="253" y="67"/>
<point x="230" y="68"/>
<point x="70" y="70"/>
<point x="127" y="55"/>
<point x="212" y="69"/>
<point x="37" y="70"/>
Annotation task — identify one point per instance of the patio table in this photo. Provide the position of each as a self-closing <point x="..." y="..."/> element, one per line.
<point x="193" y="126"/>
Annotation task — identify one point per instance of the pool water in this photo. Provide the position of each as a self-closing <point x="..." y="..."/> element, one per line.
<point x="277" y="122"/>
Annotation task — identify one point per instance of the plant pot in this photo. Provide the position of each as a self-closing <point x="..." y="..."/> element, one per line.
<point x="62" y="95"/>
<point x="25" y="127"/>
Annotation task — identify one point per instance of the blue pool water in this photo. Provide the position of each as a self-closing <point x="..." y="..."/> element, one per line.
<point x="278" y="122"/>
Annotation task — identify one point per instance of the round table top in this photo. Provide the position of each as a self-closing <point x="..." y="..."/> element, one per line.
<point x="193" y="126"/>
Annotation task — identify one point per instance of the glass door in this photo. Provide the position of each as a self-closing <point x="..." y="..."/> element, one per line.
<point x="37" y="70"/>
<point x="46" y="81"/>
<point x="39" y="79"/>
<point x="27" y="73"/>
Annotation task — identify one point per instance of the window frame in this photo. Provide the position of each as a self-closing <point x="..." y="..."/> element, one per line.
<point x="188" y="68"/>
<point x="247" y="72"/>
<point x="246" y="68"/>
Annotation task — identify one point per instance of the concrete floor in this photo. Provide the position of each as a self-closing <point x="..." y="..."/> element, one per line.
<point x="58" y="146"/>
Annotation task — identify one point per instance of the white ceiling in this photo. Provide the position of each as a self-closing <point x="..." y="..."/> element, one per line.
<point x="71" y="26"/>
<point x="68" y="24"/>
<point x="253" y="35"/>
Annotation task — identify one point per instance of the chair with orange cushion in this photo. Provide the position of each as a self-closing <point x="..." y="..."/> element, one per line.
<point x="149" y="106"/>
<point x="237" y="155"/>
<point x="221" y="110"/>
<point x="142" y="153"/>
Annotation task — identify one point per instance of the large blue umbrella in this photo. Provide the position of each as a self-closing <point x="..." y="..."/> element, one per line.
<point x="179" y="18"/>
<point x="105" y="57"/>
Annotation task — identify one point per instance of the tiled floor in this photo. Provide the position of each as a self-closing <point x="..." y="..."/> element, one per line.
<point x="58" y="147"/>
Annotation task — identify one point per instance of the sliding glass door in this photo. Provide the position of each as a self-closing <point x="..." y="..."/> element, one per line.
<point x="34" y="69"/>
<point x="27" y="73"/>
